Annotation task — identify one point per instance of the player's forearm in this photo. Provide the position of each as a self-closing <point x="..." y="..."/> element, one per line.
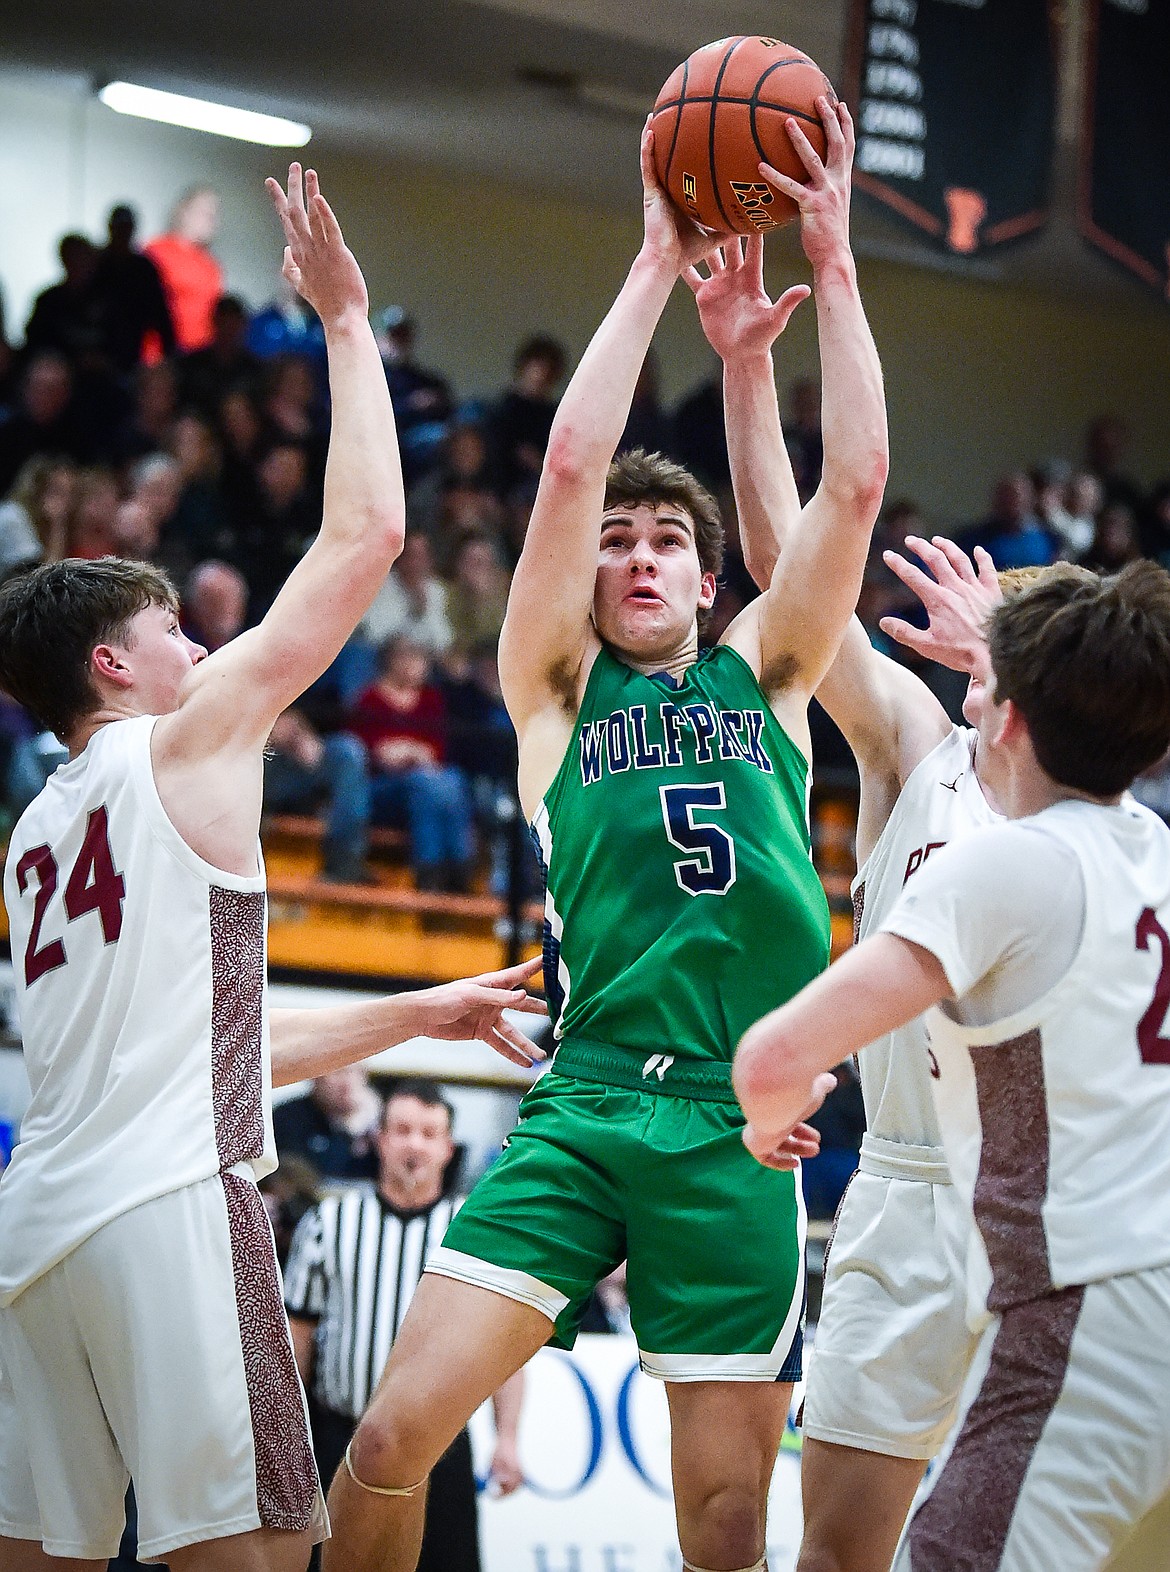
<point x="853" y="405"/>
<point x="364" y="500"/>
<point x="596" y="405"/>
<point x="506" y="1405"/>
<point x="766" y="499"/>
<point x="309" y="1043"/>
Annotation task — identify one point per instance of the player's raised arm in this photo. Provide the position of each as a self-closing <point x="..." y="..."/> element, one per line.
<point x="547" y="630"/>
<point x="793" y="632"/>
<point x="237" y="693"/>
<point x="889" y="718"/>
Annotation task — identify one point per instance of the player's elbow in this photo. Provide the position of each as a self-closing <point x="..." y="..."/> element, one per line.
<point x="857" y="487"/>
<point x="571" y="459"/>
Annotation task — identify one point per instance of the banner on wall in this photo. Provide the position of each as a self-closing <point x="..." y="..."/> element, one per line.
<point x="1124" y="195"/>
<point x="954" y="104"/>
<point x="595" y="1448"/>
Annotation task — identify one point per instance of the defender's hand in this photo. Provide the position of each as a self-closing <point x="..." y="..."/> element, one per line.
<point x="474" y="1008"/>
<point x="737" y="314"/>
<point x="958" y="599"/>
<point x="317" y="262"/>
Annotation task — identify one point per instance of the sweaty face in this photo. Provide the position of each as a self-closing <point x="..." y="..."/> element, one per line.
<point x="414" y="1146"/>
<point x="650" y="584"/>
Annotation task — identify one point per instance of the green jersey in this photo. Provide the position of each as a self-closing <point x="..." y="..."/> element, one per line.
<point x="682" y="901"/>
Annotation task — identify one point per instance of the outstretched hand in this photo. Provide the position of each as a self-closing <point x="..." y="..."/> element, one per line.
<point x="317" y="262"/>
<point x="824" y="199"/>
<point x="738" y="316"/>
<point x="669" y="236"/>
<point x="474" y="1009"/>
<point x="958" y="599"/>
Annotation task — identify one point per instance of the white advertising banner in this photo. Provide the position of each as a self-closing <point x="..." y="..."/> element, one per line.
<point x="595" y="1447"/>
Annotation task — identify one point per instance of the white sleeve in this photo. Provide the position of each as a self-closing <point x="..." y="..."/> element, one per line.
<point x="1002" y="910"/>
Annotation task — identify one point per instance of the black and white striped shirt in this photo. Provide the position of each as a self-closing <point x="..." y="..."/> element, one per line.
<point x="353" y="1267"/>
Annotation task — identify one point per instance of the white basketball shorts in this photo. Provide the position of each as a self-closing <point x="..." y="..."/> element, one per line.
<point x="1064" y="1440"/>
<point x="892" y="1344"/>
<point x="158" y="1349"/>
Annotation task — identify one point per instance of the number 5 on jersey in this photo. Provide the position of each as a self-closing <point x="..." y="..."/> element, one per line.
<point x="94" y="885"/>
<point x="710" y="868"/>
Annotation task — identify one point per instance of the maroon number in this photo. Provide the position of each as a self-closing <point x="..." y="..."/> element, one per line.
<point x="95" y="885"/>
<point x="1155" y="1049"/>
<point x="39" y="860"/>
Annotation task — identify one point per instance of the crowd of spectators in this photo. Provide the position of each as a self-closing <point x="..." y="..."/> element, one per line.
<point x="152" y="414"/>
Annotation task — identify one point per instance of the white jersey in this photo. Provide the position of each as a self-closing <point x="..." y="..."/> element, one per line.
<point x="1056" y="1117"/>
<point x="141" y="978"/>
<point x="940" y="801"/>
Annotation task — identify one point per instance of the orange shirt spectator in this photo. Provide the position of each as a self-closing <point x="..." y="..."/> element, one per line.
<point x="192" y="279"/>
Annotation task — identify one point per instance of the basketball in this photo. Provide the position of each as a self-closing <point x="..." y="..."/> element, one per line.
<point x="721" y="114"/>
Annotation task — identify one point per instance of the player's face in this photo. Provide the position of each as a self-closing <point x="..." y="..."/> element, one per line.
<point x="414" y="1146"/>
<point x="650" y="585"/>
<point x="981" y="711"/>
<point x="161" y="656"/>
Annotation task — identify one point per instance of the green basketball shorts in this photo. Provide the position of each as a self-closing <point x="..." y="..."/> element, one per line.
<point x="595" y="1173"/>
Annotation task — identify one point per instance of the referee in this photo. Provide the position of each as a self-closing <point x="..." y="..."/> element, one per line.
<point x="355" y="1262"/>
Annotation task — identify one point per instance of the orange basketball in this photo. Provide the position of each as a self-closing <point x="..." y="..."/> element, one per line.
<point x="720" y="115"/>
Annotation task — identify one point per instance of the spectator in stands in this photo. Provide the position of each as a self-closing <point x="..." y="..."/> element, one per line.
<point x="402" y="719"/>
<point x="421" y="398"/>
<point x="240" y="431"/>
<point x="699" y="438"/>
<point x="1116" y="540"/>
<point x="206" y="374"/>
<point x="34" y="520"/>
<point x="304" y="772"/>
<point x="802" y="435"/>
<point x="1055" y="487"/>
<point x="290" y="407"/>
<point x="147" y="428"/>
<point x="192" y="279"/>
<point x="66" y="317"/>
<point x="289" y="1191"/>
<point x="333" y="1125"/>
<point x="130" y="296"/>
<point x="411" y="602"/>
<point x="214" y="604"/>
<point x="272" y="539"/>
<point x="648" y="425"/>
<point x="145" y="517"/>
<point x="519" y="425"/>
<point x="93" y="524"/>
<point x="1106" y="441"/>
<point x="482" y="743"/>
<point x="200" y="526"/>
<point x="288" y="325"/>
<point x="477" y="596"/>
<point x="1154" y="524"/>
<point x="457" y="496"/>
<point x="45" y="420"/>
<point x="1012" y="533"/>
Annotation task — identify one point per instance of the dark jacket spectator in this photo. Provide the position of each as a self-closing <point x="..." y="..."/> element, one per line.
<point x="130" y="296"/>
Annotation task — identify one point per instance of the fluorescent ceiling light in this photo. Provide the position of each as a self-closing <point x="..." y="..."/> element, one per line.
<point x="197" y="114"/>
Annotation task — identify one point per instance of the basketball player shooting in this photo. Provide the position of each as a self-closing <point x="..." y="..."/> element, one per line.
<point x="667" y="789"/>
<point x="142" y="1330"/>
<point x="1039" y="948"/>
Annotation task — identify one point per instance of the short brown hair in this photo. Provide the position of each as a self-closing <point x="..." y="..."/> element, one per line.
<point x="637" y="476"/>
<point x="1086" y="661"/>
<point x="53" y="617"/>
